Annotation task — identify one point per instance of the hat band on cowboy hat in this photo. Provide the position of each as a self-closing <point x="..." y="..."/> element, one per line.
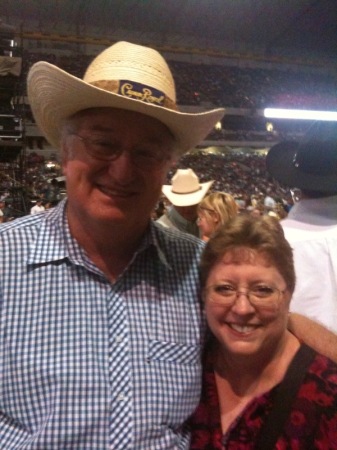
<point x="186" y="190"/>
<point x="123" y="76"/>
<point x="137" y="91"/>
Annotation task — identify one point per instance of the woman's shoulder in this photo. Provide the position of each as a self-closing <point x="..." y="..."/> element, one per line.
<point x="323" y="368"/>
<point x="319" y="386"/>
<point x="314" y="411"/>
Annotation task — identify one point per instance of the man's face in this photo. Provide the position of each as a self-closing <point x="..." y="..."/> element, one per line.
<point x="120" y="190"/>
<point x="189" y="213"/>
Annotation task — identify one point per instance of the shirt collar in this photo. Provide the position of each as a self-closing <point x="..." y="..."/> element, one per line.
<point x="155" y="234"/>
<point x="307" y="209"/>
<point x="51" y="239"/>
<point x="54" y="241"/>
<point x="181" y="223"/>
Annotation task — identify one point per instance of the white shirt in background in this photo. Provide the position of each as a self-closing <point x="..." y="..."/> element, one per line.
<point x="36" y="209"/>
<point x="311" y="229"/>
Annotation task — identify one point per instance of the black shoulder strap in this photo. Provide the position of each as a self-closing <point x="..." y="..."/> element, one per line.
<point x="285" y="395"/>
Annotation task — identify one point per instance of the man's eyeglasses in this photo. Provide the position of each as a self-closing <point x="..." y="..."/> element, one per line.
<point x="104" y="149"/>
<point x="259" y="296"/>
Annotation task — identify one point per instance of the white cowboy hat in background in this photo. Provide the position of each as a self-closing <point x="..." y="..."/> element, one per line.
<point x="125" y="76"/>
<point x="186" y="190"/>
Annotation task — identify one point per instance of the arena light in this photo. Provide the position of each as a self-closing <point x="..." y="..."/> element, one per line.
<point x="276" y="113"/>
<point x="218" y="126"/>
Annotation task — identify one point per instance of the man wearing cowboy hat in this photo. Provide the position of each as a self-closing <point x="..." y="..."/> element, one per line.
<point x="101" y="327"/>
<point x="185" y="193"/>
<point x="311" y="225"/>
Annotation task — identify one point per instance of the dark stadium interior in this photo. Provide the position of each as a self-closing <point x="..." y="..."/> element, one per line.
<point x="244" y="55"/>
<point x="299" y="25"/>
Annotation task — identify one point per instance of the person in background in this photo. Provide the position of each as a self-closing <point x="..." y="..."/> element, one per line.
<point x="262" y="388"/>
<point x="215" y="210"/>
<point x="101" y="327"/>
<point x="269" y="202"/>
<point x="159" y="210"/>
<point x="48" y="205"/>
<point x="311" y="224"/>
<point x="185" y="193"/>
<point x="256" y="212"/>
<point x="38" y="207"/>
<point x="8" y="210"/>
<point x="2" y="216"/>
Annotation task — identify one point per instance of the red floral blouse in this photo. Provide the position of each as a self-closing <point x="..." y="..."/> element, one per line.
<point x="312" y="423"/>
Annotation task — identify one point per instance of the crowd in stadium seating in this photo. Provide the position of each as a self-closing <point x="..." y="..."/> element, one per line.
<point x="39" y="181"/>
<point x="231" y="86"/>
<point x="253" y="87"/>
<point x="242" y="175"/>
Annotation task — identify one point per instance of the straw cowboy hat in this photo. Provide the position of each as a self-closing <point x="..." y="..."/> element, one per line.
<point x="310" y="164"/>
<point x="125" y="76"/>
<point x="186" y="189"/>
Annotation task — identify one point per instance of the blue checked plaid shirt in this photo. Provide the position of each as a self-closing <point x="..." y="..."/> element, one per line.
<point x="64" y="327"/>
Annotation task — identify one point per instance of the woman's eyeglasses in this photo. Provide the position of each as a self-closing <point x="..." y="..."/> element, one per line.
<point x="259" y="296"/>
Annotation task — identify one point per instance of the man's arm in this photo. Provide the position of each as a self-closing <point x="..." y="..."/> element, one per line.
<point x="314" y="334"/>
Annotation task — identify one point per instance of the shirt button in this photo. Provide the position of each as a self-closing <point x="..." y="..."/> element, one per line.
<point x="118" y="339"/>
<point x="121" y="397"/>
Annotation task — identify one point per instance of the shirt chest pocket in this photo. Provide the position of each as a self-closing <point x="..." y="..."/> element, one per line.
<point x="176" y="379"/>
<point x="173" y="352"/>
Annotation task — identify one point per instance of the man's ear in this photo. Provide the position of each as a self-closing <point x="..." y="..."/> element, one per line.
<point x="65" y="150"/>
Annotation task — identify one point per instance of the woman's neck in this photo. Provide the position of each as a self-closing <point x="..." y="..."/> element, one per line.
<point x="240" y="380"/>
<point x="256" y="374"/>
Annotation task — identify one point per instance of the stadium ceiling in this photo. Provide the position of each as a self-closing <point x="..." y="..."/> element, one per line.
<point x="275" y="26"/>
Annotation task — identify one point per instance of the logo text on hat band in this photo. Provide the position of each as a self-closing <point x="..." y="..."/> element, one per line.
<point x="136" y="91"/>
<point x="140" y="92"/>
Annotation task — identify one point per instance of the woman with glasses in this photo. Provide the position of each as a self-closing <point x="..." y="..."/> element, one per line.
<point x="215" y="210"/>
<point x="262" y="389"/>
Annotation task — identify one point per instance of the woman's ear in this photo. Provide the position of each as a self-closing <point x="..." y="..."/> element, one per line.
<point x="216" y="217"/>
<point x="287" y="297"/>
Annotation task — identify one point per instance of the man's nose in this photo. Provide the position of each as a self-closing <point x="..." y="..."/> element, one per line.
<point x="122" y="168"/>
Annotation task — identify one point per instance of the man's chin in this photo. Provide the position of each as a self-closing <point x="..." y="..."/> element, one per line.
<point x="112" y="215"/>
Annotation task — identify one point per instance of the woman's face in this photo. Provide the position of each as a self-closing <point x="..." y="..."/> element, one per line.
<point x="243" y="327"/>
<point x="206" y="223"/>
